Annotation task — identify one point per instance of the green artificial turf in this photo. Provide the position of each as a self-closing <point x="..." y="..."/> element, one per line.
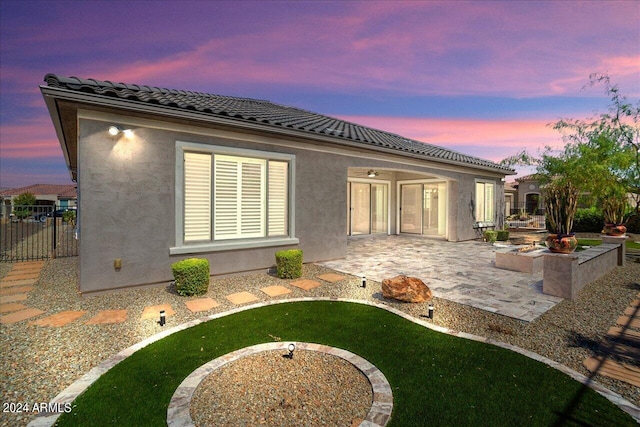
<point x="436" y="379"/>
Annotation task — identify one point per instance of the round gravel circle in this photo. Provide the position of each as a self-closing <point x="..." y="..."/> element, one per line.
<point x="271" y="388"/>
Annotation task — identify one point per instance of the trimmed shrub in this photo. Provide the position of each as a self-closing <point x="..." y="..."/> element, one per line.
<point x="191" y="276"/>
<point x="490" y="236"/>
<point x="588" y="220"/>
<point x="503" y="235"/>
<point x="289" y="264"/>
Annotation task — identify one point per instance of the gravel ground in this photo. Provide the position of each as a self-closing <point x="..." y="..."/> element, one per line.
<point x="39" y="362"/>
<point x="310" y="389"/>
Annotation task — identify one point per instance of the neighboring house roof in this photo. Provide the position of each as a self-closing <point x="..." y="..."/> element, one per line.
<point x="268" y="114"/>
<point x="532" y="177"/>
<point x="62" y="191"/>
<point x="510" y="186"/>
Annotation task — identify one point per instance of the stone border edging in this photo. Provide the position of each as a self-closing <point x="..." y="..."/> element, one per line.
<point x="178" y="412"/>
<point x="69" y="394"/>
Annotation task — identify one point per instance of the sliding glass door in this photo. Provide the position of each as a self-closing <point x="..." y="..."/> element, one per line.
<point x="368" y="208"/>
<point x="423" y="208"/>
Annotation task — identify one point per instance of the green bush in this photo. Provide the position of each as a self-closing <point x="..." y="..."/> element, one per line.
<point x="191" y="276"/>
<point x="289" y="263"/>
<point x="503" y="235"/>
<point x="69" y="216"/>
<point x="588" y="220"/>
<point x="490" y="236"/>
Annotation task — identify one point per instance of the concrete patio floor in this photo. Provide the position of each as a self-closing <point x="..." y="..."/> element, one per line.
<point x="462" y="272"/>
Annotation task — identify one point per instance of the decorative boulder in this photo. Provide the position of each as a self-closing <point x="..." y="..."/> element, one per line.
<point x="408" y="289"/>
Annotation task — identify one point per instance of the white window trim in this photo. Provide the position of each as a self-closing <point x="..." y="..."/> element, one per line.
<point x="225" y="245"/>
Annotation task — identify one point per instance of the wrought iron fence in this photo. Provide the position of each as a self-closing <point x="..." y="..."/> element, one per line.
<point x="525" y="216"/>
<point x="37" y="232"/>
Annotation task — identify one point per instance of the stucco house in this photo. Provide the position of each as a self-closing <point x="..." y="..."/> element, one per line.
<point x="50" y="196"/>
<point x="165" y="175"/>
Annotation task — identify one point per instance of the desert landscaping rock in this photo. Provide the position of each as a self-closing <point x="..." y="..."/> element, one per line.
<point x="407" y="289"/>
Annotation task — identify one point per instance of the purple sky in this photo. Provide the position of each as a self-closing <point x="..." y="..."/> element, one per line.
<point x="484" y="78"/>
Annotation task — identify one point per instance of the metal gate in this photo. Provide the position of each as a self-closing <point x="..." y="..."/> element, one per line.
<point x="36" y="233"/>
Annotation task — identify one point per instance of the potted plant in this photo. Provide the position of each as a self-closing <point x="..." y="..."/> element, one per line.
<point x="561" y="201"/>
<point x="614" y="207"/>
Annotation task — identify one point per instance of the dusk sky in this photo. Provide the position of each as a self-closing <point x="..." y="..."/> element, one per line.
<point x="483" y="78"/>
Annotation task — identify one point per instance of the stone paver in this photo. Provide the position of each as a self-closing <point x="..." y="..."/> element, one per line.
<point x="21" y="282"/>
<point x="331" y="277"/>
<point x="463" y="272"/>
<point x="19" y="316"/>
<point x="275" y="290"/>
<point x="21" y="275"/>
<point x="242" y="298"/>
<point x="201" y="304"/>
<point x="305" y="284"/>
<point x="27" y="265"/>
<point x="8" y="308"/>
<point x="153" y="311"/>
<point x="105" y="317"/>
<point x="59" y="319"/>
<point x="16" y="290"/>
<point x="13" y="298"/>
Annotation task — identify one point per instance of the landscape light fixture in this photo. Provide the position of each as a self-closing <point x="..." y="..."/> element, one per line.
<point x="163" y="318"/>
<point x="291" y="348"/>
<point x="430" y="315"/>
<point x="364" y="282"/>
<point x="372" y="174"/>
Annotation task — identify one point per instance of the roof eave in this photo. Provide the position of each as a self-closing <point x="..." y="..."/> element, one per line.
<point x="51" y="94"/>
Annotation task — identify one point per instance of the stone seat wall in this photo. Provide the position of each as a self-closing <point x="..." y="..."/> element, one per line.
<point x="565" y="275"/>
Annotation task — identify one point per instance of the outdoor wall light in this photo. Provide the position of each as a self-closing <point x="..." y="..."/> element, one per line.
<point x="163" y="318"/>
<point x="291" y="348"/>
<point x="364" y="282"/>
<point x="116" y="130"/>
<point x="430" y="315"/>
<point x="372" y="174"/>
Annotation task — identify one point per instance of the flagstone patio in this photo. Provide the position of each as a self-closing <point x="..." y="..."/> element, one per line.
<point x="463" y="272"/>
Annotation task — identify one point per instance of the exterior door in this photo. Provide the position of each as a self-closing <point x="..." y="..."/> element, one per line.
<point x="360" y="208"/>
<point x="423" y="208"/>
<point x="411" y="208"/>
<point x="368" y="208"/>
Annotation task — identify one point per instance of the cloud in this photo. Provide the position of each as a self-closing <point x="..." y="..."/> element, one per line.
<point x="31" y="139"/>
<point x="490" y="139"/>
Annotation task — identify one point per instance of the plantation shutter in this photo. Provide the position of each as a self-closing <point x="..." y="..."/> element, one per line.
<point x="479" y="201"/>
<point x="278" y="198"/>
<point x="239" y="197"/>
<point x="489" y="203"/>
<point x="197" y="196"/>
<point x="252" y="196"/>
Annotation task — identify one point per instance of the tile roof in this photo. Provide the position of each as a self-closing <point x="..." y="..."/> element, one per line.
<point x="64" y="191"/>
<point x="267" y="113"/>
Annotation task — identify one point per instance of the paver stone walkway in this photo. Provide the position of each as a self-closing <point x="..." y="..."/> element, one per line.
<point x="463" y="272"/>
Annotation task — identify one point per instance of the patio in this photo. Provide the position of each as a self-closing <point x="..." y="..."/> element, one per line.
<point x="462" y="272"/>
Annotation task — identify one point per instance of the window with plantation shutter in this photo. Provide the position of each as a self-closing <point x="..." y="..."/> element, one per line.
<point x="485" y="201"/>
<point x="197" y="197"/>
<point x="239" y="197"/>
<point x="278" y="198"/>
<point x="232" y="198"/>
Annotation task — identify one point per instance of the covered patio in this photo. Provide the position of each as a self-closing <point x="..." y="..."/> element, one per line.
<point x="462" y="272"/>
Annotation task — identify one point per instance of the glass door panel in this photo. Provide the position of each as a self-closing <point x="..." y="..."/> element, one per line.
<point x="360" y="208"/>
<point x="379" y="208"/>
<point x="411" y="208"/>
<point x="433" y="213"/>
